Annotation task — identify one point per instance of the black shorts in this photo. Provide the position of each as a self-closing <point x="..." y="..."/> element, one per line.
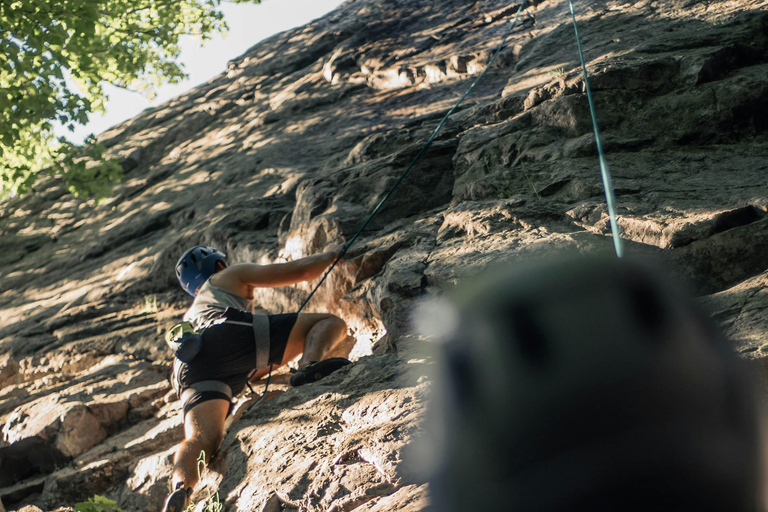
<point x="228" y="355"/>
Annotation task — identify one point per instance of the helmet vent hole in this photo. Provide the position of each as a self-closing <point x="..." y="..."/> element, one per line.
<point x="530" y="337"/>
<point x="648" y="310"/>
<point x="461" y="375"/>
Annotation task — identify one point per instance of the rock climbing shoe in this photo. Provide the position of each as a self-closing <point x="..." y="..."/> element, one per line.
<point x="178" y="501"/>
<point x="317" y="370"/>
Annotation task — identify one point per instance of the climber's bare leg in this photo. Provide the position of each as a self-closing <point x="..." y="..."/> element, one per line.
<point x="343" y="348"/>
<point x="316" y="336"/>
<point x="203" y="432"/>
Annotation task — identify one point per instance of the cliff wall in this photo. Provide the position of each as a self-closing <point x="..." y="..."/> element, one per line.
<point x="289" y="150"/>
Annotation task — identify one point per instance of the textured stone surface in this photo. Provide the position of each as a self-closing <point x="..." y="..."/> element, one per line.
<point x="292" y="146"/>
<point x="743" y="313"/>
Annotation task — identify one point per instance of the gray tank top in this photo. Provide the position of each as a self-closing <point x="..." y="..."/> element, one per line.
<point x="209" y="306"/>
<point x="210" y="303"/>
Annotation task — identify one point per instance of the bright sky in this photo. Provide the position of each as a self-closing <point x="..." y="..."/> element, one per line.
<point x="248" y="24"/>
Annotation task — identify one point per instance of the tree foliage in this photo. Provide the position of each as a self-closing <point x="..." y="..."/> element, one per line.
<point x="55" y="57"/>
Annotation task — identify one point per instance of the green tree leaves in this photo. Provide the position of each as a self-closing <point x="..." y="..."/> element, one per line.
<point x="55" y="55"/>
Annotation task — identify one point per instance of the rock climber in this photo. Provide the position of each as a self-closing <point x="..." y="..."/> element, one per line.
<point x="236" y="340"/>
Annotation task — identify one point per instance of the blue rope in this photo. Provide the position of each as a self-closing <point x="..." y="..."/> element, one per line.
<point x="396" y="184"/>
<point x="266" y="387"/>
<point x="610" y="197"/>
<point x="417" y="157"/>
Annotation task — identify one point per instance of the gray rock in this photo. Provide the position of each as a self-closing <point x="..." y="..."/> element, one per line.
<point x="292" y="147"/>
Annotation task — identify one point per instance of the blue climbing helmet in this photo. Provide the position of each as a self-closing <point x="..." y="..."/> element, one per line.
<point x="196" y="265"/>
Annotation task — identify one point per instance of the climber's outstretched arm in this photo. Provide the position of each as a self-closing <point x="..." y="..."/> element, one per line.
<point x="239" y="277"/>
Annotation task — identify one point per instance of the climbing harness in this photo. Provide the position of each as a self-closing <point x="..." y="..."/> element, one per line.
<point x="605" y="173"/>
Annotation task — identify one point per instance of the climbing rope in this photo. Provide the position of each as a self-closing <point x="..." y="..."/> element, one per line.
<point x="610" y="198"/>
<point x="604" y="171"/>
<point x="397" y="183"/>
<point x="418" y="155"/>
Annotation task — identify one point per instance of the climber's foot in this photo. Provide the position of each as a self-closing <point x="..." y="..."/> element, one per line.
<point x="178" y="501"/>
<point x="317" y="370"/>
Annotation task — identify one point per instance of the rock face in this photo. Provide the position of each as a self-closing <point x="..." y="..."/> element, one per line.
<point x="292" y="147"/>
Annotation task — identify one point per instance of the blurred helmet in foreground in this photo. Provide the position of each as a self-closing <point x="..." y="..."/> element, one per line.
<point x="587" y="385"/>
